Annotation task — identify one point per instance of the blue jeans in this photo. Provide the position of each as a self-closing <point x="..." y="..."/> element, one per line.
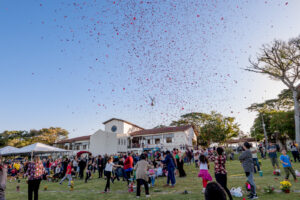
<point x="171" y="176"/>
<point x="251" y="182"/>
<point x="256" y="163"/>
<point x="69" y="177"/>
<point x="152" y="178"/>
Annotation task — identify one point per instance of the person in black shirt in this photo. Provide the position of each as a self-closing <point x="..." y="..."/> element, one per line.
<point x="100" y="165"/>
<point x="82" y="165"/>
<point x="89" y="170"/>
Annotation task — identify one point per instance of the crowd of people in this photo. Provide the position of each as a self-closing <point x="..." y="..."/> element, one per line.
<point x="145" y="168"/>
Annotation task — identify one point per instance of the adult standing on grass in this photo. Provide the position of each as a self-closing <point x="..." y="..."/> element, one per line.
<point x="180" y="165"/>
<point x="295" y="152"/>
<point x="169" y="161"/>
<point x="247" y="163"/>
<point x="255" y="159"/>
<point x="3" y="179"/>
<point x="220" y="170"/>
<point x="100" y="164"/>
<point x="34" y="173"/>
<point x="82" y="165"/>
<point x="272" y="150"/>
<point x="142" y="167"/>
<point x="128" y="167"/>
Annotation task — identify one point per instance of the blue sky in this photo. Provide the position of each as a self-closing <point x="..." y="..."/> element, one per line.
<point x="75" y="64"/>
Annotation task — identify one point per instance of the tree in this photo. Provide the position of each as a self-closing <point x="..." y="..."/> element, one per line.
<point x="212" y="127"/>
<point x="23" y="138"/>
<point x="279" y="126"/>
<point x="283" y="102"/>
<point x="281" y="61"/>
<point x="282" y="124"/>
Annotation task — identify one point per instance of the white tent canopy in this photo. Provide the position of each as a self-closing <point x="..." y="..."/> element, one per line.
<point x="8" y="150"/>
<point x="36" y="148"/>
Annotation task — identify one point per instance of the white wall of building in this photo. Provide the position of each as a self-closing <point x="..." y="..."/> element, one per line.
<point x="117" y="123"/>
<point x="122" y="143"/>
<point x="128" y="128"/>
<point x="103" y="142"/>
<point x="191" y="136"/>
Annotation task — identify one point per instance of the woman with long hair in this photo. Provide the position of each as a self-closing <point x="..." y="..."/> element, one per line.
<point x="220" y="170"/>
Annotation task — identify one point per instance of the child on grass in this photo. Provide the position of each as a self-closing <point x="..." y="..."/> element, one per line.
<point x="152" y="174"/>
<point x="287" y="165"/>
<point x="107" y="172"/>
<point x="204" y="173"/>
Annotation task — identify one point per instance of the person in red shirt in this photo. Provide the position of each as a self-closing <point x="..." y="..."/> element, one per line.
<point x="68" y="174"/>
<point x="128" y="167"/>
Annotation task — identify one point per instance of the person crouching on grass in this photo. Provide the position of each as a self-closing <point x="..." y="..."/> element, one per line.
<point x="287" y="165"/>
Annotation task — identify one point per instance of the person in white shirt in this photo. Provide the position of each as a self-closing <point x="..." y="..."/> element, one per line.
<point x="107" y="172"/>
<point x="255" y="159"/>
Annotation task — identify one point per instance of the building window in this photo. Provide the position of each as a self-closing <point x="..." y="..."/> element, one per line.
<point x="113" y="128"/>
<point x="84" y="146"/>
<point x="77" y="147"/>
<point x="119" y="141"/>
<point x="148" y="141"/>
<point x="168" y="140"/>
<point x="157" y="141"/>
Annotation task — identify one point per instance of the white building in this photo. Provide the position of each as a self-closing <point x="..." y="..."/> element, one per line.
<point x="76" y="144"/>
<point x="122" y="136"/>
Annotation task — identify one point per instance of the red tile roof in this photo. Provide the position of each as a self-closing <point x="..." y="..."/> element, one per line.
<point x="162" y="130"/>
<point x="122" y="121"/>
<point x="81" y="138"/>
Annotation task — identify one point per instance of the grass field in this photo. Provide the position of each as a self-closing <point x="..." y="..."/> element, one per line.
<point x="193" y="184"/>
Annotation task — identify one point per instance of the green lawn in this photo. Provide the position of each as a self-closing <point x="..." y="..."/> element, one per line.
<point x="193" y="184"/>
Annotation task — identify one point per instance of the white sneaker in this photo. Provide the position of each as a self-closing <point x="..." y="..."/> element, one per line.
<point x="148" y="196"/>
<point x="203" y="190"/>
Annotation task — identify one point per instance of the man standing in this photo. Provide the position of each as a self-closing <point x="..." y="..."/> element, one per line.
<point x="3" y="178"/>
<point x="255" y="159"/>
<point x="100" y="164"/>
<point x="272" y="150"/>
<point x="81" y="165"/>
<point x="247" y="163"/>
<point x="128" y="167"/>
<point x="169" y="161"/>
<point x="295" y="152"/>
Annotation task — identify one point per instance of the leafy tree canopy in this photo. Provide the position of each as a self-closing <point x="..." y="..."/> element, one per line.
<point x="23" y="138"/>
<point x="213" y="127"/>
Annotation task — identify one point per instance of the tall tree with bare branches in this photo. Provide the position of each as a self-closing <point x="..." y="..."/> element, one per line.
<point x="281" y="61"/>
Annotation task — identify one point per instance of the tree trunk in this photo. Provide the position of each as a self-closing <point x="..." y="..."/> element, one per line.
<point x="296" y="114"/>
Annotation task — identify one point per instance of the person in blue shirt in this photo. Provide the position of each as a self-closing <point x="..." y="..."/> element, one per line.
<point x="272" y="150"/>
<point x="169" y="161"/>
<point x="287" y="165"/>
